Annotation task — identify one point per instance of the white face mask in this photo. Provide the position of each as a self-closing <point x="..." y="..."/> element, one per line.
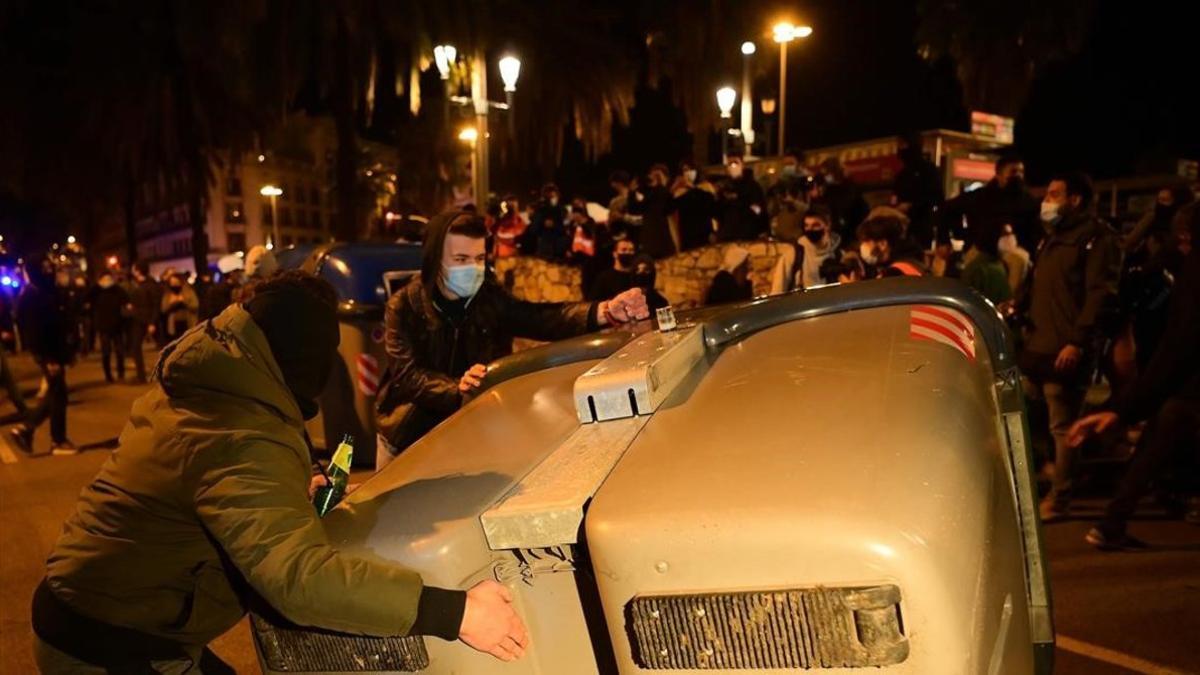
<point x="1051" y="212"/>
<point x="867" y="253"/>
<point x="735" y="171"/>
<point x="1007" y="243"/>
<point x="690" y="175"/>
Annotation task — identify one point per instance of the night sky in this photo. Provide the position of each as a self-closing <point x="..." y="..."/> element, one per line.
<point x="1122" y="105"/>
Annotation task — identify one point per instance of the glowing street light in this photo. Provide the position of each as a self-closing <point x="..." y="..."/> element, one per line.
<point x="71" y="239"/>
<point x="784" y="33"/>
<point x="272" y="192"/>
<point x="748" y="49"/>
<point x="468" y="135"/>
<point x="725" y="99"/>
<point x="444" y="56"/>
<point x="510" y="70"/>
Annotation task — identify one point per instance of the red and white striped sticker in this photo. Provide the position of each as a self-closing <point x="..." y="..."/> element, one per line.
<point x="368" y="374"/>
<point x="944" y="325"/>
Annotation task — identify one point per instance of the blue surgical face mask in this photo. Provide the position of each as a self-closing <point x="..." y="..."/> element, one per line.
<point x="463" y="280"/>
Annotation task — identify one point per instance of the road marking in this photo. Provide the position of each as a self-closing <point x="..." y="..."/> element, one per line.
<point x="1098" y="653"/>
<point x="6" y="454"/>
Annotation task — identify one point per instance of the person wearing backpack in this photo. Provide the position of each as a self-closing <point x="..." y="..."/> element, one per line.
<point x="1074" y="280"/>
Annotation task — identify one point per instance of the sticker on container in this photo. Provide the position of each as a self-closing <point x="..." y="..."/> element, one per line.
<point x="368" y="374"/>
<point x="944" y="325"/>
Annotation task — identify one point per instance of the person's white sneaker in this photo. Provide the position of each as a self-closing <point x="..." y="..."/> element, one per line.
<point x="63" y="449"/>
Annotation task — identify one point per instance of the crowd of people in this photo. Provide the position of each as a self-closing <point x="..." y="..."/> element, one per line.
<point x="64" y="314"/>
<point x="1087" y="303"/>
<point x="1083" y="300"/>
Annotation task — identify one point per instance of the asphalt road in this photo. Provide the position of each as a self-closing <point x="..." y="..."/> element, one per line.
<point x="1115" y="612"/>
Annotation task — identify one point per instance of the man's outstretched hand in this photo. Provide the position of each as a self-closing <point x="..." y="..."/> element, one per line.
<point x="491" y="625"/>
<point x="1092" y="425"/>
<point x="624" y="308"/>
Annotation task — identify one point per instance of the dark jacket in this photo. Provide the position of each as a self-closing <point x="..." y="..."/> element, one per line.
<point x="217" y="298"/>
<point x="44" y="324"/>
<point x="108" y="305"/>
<point x="738" y="200"/>
<point x="696" y="209"/>
<point x="654" y="204"/>
<point x="146" y="298"/>
<point x="1075" y="280"/>
<point x="547" y="234"/>
<point x="1174" y="369"/>
<point x="428" y="352"/>
<point x="725" y="288"/>
<point x="611" y="282"/>
<point x="987" y="208"/>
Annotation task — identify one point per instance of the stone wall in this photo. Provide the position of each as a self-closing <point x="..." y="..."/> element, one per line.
<point x="537" y="280"/>
<point x="683" y="279"/>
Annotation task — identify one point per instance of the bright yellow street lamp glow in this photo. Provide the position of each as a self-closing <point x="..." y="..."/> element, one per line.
<point x="270" y="191"/>
<point x="444" y="57"/>
<point x="786" y="32"/>
<point x="510" y="70"/>
<point x="468" y="134"/>
<point x="725" y="99"/>
<point x="748" y="48"/>
<point x="71" y="239"/>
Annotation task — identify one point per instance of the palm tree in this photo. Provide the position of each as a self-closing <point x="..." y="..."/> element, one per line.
<point x="998" y="46"/>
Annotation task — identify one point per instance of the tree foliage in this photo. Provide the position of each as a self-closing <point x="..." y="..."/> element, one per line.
<point x="997" y="46"/>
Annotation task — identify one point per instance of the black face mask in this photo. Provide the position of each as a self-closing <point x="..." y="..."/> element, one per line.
<point x="175" y="288"/>
<point x="1164" y="211"/>
<point x="302" y="332"/>
<point x="625" y="259"/>
<point x="815" y="236"/>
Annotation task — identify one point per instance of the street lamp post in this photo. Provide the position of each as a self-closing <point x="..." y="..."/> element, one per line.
<point x="748" y="49"/>
<point x="272" y="192"/>
<point x="510" y="70"/>
<point x="726" y="96"/>
<point x="785" y="33"/>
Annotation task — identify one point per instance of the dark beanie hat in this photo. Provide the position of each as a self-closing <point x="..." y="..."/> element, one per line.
<point x="297" y="313"/>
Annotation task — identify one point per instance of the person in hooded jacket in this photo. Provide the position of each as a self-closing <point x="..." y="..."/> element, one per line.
<point x="45" y="327"/>
<point x="445" y="325"/>
<point x="818" y="244"/>
<point x="204" y="508"/>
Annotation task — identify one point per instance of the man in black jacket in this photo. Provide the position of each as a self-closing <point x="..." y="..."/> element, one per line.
<point x="445" y="325"/>
<point x="1005" y="200"/>
<point x="1167" y="393"/>
<point x="44" y="328"/>
<point x="145" y="305"/>
<point x="742" y="205"/>
<point x="1074" y="281"/>
<point x="109" y="310"/>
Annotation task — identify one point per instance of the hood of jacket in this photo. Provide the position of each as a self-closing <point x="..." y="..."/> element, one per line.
<point x="228" y="356"/>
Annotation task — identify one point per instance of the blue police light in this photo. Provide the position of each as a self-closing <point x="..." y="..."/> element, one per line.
<point x="6" y="280"/>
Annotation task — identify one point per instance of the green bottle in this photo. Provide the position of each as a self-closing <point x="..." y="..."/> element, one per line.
<point x="338" y="476"/>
